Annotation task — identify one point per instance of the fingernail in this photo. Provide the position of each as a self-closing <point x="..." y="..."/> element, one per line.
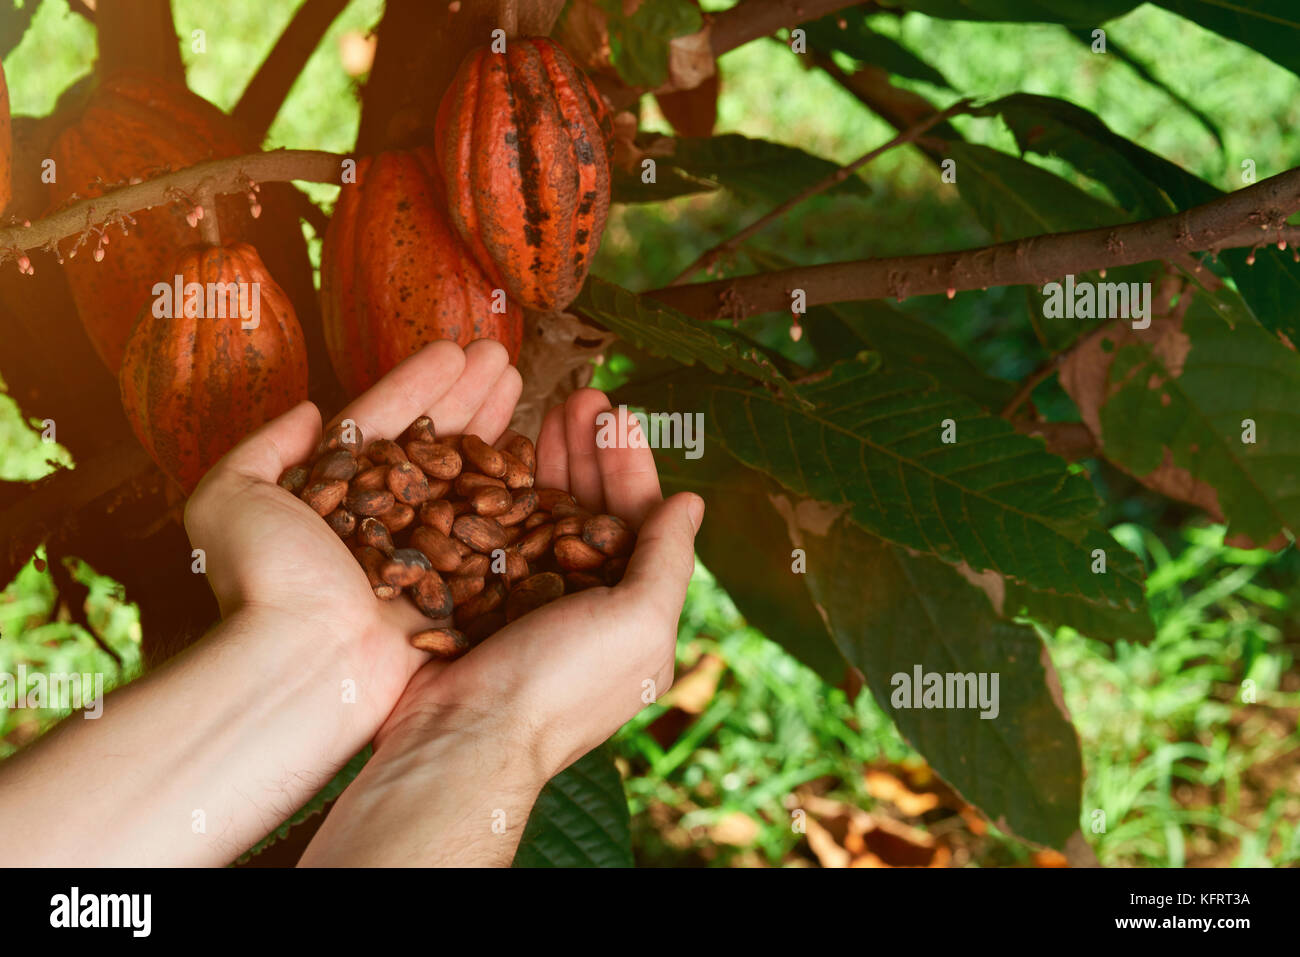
<point x="696" y="510"/>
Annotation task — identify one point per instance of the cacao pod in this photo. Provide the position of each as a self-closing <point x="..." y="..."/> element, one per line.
<point x="6" y="142"/>
<point x="523" y="141"/>
<point x="136" y="125"/>
<point x="394" y="274"/>
<point x="193" y="383"/>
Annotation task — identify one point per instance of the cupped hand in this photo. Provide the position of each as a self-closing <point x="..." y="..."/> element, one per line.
<point x="266" y="550"/>
<point x="560" y="680"/>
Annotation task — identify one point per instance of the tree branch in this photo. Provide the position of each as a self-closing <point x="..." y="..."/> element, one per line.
<point x="1262" y="208"/>
<point x="231" y="175"/>
<point x="265" y="93"/>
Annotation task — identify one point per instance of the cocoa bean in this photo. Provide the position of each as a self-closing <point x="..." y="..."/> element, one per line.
<point x="385" y="452"/>
<point x="437" y="459"/>
<point x="437" y="547"/>
<point x="517" y="474"/>
<point x="575" y="555"/>
<point x="470" y="482"/>
<point x="522" y="448"/>
<point x="341" y="435"/>
<point x="324" y="497"/>
<point x="524" y="505"/>
<point x="408" y="483"/>
<point x="438" y="487"/>
<point x="532" y="593"/>
<point x="570" y="525"/>
<point x="441" y="642"/>
<point x="474" y="566"/>
<point x="581" y="581"/>
<point x="371" y="560"/>
<point x="537" y="518"/>
<point x="609" y="534"/>
<point x="404" y="567"/>
<point x="565" y="509"/>
<point x="491" y="501"/>
<point x="516" y="568"/>
<point x="342" y="521"/>
<point x="489" y="599"/>
<point x="338" y="464"/>
<point x="432" y="597"/>
<point x="373" y="479"/>
<point x="421" y="430"/>
<point x="373" y="532"/>
<point x="398" y="517"/>
<point x="439" y="515"/>
<point x="461" y="508"/>
<point x="463" y="588"/>
<point x="535" y="543"/>
<point x="514" y="533"/>
<point x="294" y="479"/>
<point x="370" y="502"/>
<point x="479" y="533"/>
<point x="482" y="456"/>
<point x="548" y="498"/>
<point x="364" y="463"/>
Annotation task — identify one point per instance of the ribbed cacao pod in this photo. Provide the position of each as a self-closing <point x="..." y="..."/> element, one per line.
<point x="6" y="142"/>
<point x="394" y="274"/>
<point x="523" y="141"/>
<point x="136" y="125"/>
<point x="194" y="385"/>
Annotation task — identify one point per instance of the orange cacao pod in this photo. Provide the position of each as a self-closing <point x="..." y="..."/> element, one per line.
<point x="523" y="144"/>
<point x="194" y="385"/>
<point x="134" y="125"/>
<point x="394" y="274"/>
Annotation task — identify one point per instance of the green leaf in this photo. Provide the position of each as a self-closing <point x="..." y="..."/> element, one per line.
<point x="663" y="331"/>
<point x="1098" y="621"/>
<point x="1191" y="396"/>
<point x="639" y="43"/>
<point x="14" y="21"/>
<point x="580" y="819"/>
<point x="892" y="613"/>
<point x="1080" y="13"/>
<point x="865" y="45"/>
<point x="757" y="170"/>
<point x="316" y="805"/>
<point x="759" y="577"/>
<point x="1270" y="27"/>
<point x="670" y="182"/>
<point x="994" y="500"/>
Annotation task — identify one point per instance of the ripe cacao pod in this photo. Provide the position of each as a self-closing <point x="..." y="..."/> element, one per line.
<point x="6" y="142"/>
<point x="523" y="141"/>
<point x="194" y="385"/>
<point x="136" y="125"/>
<point x="394" y="274"/>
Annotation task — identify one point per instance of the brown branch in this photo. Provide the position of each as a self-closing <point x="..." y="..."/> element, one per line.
<point x="265" y="93"/>
<point x="1030" y="261"/>
<point x="230" y="175"/>
<point x="710" y="256"/>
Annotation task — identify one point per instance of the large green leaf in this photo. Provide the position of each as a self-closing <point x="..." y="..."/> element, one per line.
<point x="1080" y="13"/>
<point x="1270" y="27"/>
<point x="1189" y="392"/>
<point x="993" y="500"/>
<point x="662" y="330"/>
<point x="891" y="613"/>
<point x="580" y="819"/>
<point x="859" y="41"/>
<point x="639" y="41"/>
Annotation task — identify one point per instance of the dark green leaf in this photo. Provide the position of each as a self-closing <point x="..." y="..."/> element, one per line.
<point x="14" y="21"/>
<point x="862" y="43"/>
<point x="580" y="819"/>
<point x="639" y="43"/>
<point x="757" y="170"/>
<point x="1080" y="13"/>
<point x="1271" y="27"/>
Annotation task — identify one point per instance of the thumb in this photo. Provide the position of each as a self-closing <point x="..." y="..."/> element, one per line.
<point x="661" y="565"/>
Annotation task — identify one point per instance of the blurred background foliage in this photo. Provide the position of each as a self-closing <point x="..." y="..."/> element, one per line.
<point x="1190" y="744"/>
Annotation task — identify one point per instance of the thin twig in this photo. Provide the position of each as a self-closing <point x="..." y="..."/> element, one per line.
<point x="709" y="257"/>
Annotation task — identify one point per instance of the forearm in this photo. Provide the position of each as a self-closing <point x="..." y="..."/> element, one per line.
<point x="457" y="797"/>
<point x="194" y="763"/>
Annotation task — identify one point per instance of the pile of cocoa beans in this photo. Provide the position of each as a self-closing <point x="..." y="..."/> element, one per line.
<point x="457" y="526"/>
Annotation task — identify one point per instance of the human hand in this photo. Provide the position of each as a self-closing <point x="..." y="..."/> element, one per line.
<point x="269" y="553"/>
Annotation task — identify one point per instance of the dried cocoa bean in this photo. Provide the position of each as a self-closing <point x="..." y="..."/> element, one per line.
<point x="463" y="588"/>
<point x="565" y="509"/>
<point x="575" y="555"/>
<point x="548" y="498"/>
<point x="517" y="474"/>
<point x="385" y="452"/>
<point x="408" y="483"/>
<point x="421" y="430"/>
<point x="294" y="479"/>
<point x="341" y="435"/>
<point x="404" y="567"/>
<point x="470" y="482"/>
<point x="373" y="532"/>
<point x="516" y="568"/>
<point x="437" y="547"/>
<point x="521" y="447"/>
<point x="398" y="517"/>
<point x="570" y="525"/>
<point x="479" y="533"/>
<point x="441" y="642"/>
<point x="371" y="480"/>
<point x="461" y="507"/>
<point x="535" y="543"/>
<point x="324" y="497"/>
<point x="437" y="459"/>
<point x="532" y="593"/>
<point x="474" y="566"/>
<point x="609" y="534"/>
<point x="491" y="501"/>
<point x="537" y="518"/>
<point x="439" y="515"/>
<point x="370" y="502"/>
<point x="338" y="464"/>
<point x="342" y="521"/>
<point x="581" y="581"/>
<point x="482" y="456"/>
<point x="523" y="506"/>
<point x="489" y="599"/>
<point x="371" y="560"/>
<point x="432" y="597"/>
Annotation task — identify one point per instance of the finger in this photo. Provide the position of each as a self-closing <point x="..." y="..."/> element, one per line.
<point x="495" y="412"/>
<point x="664" y="558"/>
<point x="485" y="360"/>
<point x="580" y="411"/>
<point x="553" y="451"/>
<point x="406" y="392"/>
<point x="628" y="474"/>
<point x="264" y="454"/>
